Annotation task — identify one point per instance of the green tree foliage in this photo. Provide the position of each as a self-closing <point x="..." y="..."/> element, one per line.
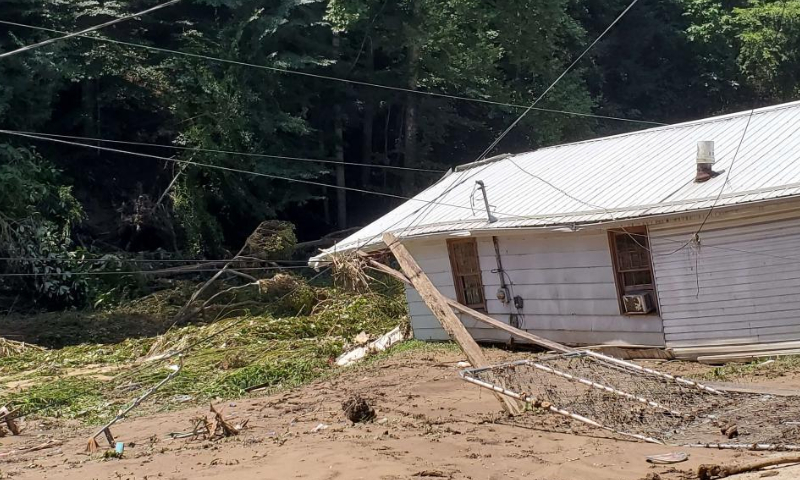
<point x="667" y="60"/>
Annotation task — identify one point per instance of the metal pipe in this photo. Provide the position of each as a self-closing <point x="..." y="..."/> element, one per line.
<point x="652" y="372"/>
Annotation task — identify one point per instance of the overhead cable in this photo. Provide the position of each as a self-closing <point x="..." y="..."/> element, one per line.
<point x="343" y="80"/>
<point x="228" y="169"/>
<point x="567" y="70"/>
<point x="229" y="152"/>
<point x="148" y="272"/>
<point x="82" y="33"/>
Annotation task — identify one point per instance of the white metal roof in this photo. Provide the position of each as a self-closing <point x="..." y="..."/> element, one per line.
<point x="638" y="174"/>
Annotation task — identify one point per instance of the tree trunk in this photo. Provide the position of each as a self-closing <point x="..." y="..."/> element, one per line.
<point x="341" y="193"/>
<point x="338" y="129"/>
<point x="411" y="127"/>
<point x="366" y="131"/>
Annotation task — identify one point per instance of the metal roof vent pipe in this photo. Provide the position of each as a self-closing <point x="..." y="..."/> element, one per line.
<point x="705" y="161"/>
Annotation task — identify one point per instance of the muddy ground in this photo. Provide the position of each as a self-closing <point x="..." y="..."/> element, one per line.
<point x="429" y="424"/>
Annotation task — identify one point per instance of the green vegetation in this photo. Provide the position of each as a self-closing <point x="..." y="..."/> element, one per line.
<point x="733" y="371"/>
<point x="92" y="381"/>
<point x="61" y="205"/>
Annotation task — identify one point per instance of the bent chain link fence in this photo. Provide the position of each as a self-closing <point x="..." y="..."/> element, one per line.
<point x="587" y="390"/>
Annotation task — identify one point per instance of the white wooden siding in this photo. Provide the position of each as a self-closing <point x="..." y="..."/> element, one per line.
<point x="566" y="281"/>
<point x="743" y="297"/>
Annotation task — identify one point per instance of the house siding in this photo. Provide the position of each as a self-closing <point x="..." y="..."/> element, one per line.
<point x="746" y="294"/>
<point x="566" y="281"/>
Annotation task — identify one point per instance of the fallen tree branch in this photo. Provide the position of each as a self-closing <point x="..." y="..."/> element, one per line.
<point x="243" y="275"/>
<point x="93" y="446"/>
<point x="711" y="471"/>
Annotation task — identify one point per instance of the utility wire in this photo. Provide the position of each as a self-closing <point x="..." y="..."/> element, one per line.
<point x="229" y="169"/>
<point x="567" y="70"/>
<point x="343" y="80"/>
<point x="148" y="272"/>
<point x="229" y="152"/>
<point x="192" y="261"/>
<point x="695" y="235"/>
<point x="83" y="32"/>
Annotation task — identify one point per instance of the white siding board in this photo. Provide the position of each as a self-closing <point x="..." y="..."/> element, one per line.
<point x="523" y="275"/>
<point x="779" y="320"/>
<point x="741" y="283"/>
<point x="734" y="298"/>
<point x="543" y="291"/>
<point x="743" y="297"/>
<point x="723" y="319"/>
<point x="566" y="281"/>
<point x="576" y="307"/>
<point x="551" y="260"/>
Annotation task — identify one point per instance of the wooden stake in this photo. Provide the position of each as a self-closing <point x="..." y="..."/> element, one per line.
<point x="438" y="304"/>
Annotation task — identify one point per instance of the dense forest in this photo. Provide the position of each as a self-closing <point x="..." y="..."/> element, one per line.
<point x="385" y="94"/>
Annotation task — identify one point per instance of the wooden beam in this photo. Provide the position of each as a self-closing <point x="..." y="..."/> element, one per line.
<point x="535" y="339"/>
<point x="481" y="317"/>
<point x="437" y="303"/>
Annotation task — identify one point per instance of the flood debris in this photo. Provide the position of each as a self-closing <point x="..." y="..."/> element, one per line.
<point x="712" y="471"/>
<point x="382" y="343"/>
<point x="668" y="458"/>
<point x="211" y="429"/>
<point x="7" y="418"/>
<point x="48" y="444"/>
<point x="92" y="446"/>
<point x="357" y="410"/>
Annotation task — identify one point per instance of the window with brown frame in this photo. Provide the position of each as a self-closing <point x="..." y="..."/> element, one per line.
<point x="630" y="250"/>
<point x="466" y="269"/>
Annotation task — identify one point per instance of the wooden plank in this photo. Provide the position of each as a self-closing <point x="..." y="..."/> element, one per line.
<point x="542" y="342"/>
<point x="439" y="306"/>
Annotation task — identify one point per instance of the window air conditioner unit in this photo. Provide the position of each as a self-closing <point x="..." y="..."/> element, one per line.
<point x="637" y="303"/>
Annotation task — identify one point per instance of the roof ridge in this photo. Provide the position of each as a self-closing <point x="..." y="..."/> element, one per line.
<point x="718" y="118"/>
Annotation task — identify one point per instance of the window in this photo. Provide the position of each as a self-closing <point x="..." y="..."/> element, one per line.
<point x="467" y="272"/>
<point x="630" y="251"/>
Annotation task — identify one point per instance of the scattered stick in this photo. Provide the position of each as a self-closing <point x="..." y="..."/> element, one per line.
<point x="212" y="430"/>
<point x="47" y="444"/>
<point x="93" y="446"/>
<point x="710" y="471"/>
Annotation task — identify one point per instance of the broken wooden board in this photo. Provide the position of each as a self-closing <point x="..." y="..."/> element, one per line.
<point x="379" y="345"/>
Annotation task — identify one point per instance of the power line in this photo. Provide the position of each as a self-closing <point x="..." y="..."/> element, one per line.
<point x="567" y="70"/>
<point x="83" y="32"/>
<point x="342" y="80"/>
<point x="229" y="152"/>
<point x="148" y="272"/>
<point x="229" y="169"/>
<point x="194" y="261"/>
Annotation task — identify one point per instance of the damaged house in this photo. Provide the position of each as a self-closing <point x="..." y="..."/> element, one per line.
<point x="684" y="236"/>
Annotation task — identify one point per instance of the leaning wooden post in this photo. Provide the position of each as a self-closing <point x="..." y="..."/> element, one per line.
<point x="437" y="303"/>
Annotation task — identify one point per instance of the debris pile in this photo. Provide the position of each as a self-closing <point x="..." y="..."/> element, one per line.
<point x="357" y="410"/>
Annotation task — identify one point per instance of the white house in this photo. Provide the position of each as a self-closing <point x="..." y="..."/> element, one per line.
<point x="628" y="239"/>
